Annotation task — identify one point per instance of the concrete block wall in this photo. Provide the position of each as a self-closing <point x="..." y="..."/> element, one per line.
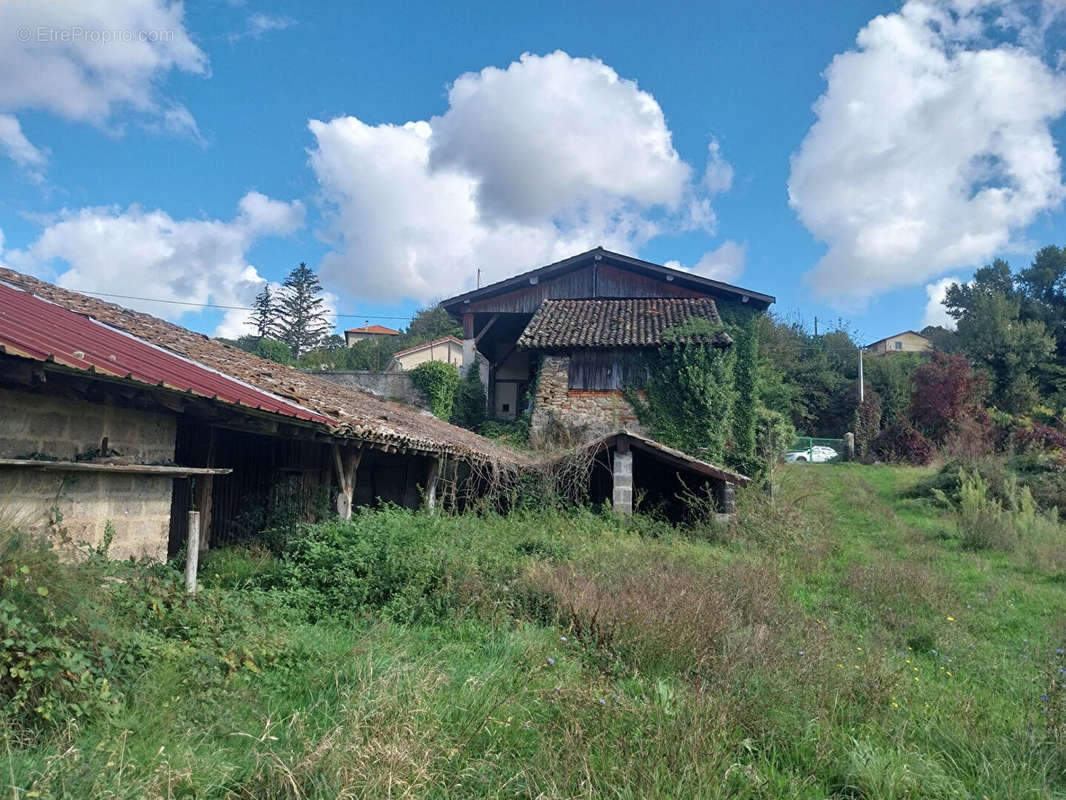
<point x="586" y="414"/>
<point x="137" y="506"/>
<point x="622" y="486"/>
<point x="396" y="386"/>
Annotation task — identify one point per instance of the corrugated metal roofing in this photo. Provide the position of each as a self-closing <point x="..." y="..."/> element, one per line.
<point x="34" y="328"/>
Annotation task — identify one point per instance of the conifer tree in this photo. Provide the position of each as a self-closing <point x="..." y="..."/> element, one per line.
<point x="265" y="314"/>
<point x="303" y="314"/>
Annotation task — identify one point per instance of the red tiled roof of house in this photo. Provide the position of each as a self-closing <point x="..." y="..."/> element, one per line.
<point x="375" y="329"/>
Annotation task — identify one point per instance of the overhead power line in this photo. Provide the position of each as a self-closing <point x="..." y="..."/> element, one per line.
<point x="217" y="305"/>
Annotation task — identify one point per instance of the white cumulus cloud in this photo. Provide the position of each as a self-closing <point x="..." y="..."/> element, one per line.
<point x="531" y="163"/>
<point x="83" y="59"/>
<point x="935" y="312"/>
<point x="149" y="254"/>
<point x="17" y="146"/>
<point x="932" y="147"/>
<point x="724" y="263"/>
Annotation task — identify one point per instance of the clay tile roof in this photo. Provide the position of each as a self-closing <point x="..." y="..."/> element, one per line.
<point x="381" y="329"/>
<point x="351" y="413"/>
<point x="617" y="323"/>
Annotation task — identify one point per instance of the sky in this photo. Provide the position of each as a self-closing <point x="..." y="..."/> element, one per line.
<point x="850" y="158"/>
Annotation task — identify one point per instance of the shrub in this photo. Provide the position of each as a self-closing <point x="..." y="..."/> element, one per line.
<point x="901" y="442"/>
<point x="438" y="382"/>
<point x="392" y="561"/>
<point x="469" y="407"/>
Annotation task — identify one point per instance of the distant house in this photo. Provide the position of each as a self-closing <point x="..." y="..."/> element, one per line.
<point x="576" y="328"/>
<point x="905" y="342"/>
<point x="353" y="335"/>
<point x="449" y="350"/>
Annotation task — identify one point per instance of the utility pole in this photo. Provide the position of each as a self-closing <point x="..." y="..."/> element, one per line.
<point x="862" y="391"/>
<point x="479" y="277"/>
<point x="816" y="327"/>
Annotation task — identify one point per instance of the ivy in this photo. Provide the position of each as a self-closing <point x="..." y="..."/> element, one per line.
<point x="438" y="382"/>
<point x="689" y="393"/>
<point x="702" y="399"/>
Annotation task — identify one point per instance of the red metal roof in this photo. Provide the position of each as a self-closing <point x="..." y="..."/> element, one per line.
<point x="374" y="329"/>
<point x="34" y="328"/>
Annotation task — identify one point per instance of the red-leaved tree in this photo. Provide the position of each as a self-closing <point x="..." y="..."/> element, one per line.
<point x="948" y="399"/>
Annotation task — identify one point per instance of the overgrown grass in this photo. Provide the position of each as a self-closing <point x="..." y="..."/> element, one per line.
<point x="842" y="642"/>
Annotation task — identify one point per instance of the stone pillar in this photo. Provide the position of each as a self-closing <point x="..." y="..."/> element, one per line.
<point x="849" y="446"/>
<point x="725" y="496"/>
<point x="622" y="494"/>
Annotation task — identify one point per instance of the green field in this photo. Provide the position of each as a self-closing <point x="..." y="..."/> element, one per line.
<point x="840" y="643"/>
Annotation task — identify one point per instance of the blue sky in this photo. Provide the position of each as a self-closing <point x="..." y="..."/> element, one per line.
<point x="187" y="169"/>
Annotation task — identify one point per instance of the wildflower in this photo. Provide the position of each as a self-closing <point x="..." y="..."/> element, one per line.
<point x="949" y="674"/>
<point x="550" y="661"/>
<point x="895" y="705"/>
<point x="1043" y="697"/>
<point x="527" y="726"/>
<point x="1058" y="650"/>
<point x="803" y="652"/>
<point x="603" y="702"/>
<point x="951" y="619"/>
<point x="562" y="638"/>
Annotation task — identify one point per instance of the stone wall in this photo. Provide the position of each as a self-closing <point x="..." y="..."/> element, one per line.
<point x="581" y="415"/>
<point x="396" y="386"/>
<point x="136" y="506"/>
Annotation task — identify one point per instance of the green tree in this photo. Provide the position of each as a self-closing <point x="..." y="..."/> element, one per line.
<point x="429" y="324"/>
<point x="265" y="314"/>
<point x="304" y="318"/>
<point x="994" y="335"/>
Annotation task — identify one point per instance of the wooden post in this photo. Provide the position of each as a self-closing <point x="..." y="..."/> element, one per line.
<point x="431" y="483"/>
<point x="192" y="552"/>
<point x="849" y="446"/>
<point x="346" y="465"/>
<point x="204" y="489"/>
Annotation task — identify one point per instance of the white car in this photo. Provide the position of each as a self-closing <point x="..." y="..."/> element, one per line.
<point x="818" y="454"/>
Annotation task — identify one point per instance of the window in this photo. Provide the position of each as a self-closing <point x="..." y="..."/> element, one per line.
<point x="506" y="407"/>
<point x="899" y="345"/>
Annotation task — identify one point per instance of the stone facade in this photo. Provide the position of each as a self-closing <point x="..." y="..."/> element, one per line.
<point x="582" y="415"/>
<point x="396" y="386"/>
<point x="136" y="506"/>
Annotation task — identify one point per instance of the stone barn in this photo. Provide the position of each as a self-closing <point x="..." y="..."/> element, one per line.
<point x="564" y="340"/>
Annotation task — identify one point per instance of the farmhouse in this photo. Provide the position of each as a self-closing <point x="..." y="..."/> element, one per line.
<point x="448" y="350"/>
<point x="903" y="342"/>
<point x="353" y="335"/>
<point x="575" y="329"/>
<point x="113" y="420"/>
